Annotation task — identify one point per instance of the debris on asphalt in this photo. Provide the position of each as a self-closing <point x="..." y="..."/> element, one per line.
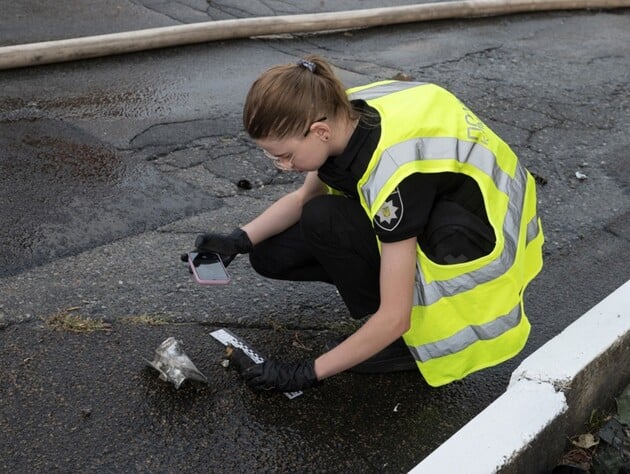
<point x="539" y="179"/>
<point x="297" y="342"/>
<point x="581" y="176"/>
<point x="244" y="184"/>
<point x="402" y="76"/>
<point x="173" y="364"/>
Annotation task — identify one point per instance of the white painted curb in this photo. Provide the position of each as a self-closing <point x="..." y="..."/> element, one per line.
<point x="490" y="439"/>
<point x="584" y="341"/>
<point x="536" y="395"/>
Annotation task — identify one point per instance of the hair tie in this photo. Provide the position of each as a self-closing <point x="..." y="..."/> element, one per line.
<point x="307" y="64"/>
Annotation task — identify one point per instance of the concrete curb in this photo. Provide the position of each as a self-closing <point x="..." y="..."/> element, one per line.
<point x="550" y="395"/>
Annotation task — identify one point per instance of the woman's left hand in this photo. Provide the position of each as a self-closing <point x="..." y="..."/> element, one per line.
<point x="274" y="375"/>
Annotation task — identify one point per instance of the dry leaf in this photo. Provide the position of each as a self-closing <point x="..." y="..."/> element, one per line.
<point x="585" y="441"/>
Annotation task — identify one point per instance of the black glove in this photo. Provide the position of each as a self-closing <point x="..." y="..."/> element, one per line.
<point x="272" y="375"/>
<point x="227" y="246"/>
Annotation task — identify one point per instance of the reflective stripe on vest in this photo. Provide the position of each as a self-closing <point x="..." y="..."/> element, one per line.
<point x="468" y="336"/>
<point x="379" y="89"/>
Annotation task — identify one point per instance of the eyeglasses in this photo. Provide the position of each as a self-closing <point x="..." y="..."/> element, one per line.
<point x="281" y="162"/>
<point x="285" y="163"/>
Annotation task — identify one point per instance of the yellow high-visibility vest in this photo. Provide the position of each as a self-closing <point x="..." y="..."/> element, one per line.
<point x="466" y="316"/>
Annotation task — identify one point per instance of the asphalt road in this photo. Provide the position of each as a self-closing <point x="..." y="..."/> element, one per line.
<point x="110" y="167"/>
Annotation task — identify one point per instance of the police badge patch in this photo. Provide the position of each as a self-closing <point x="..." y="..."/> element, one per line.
<point x="389" y="215"/>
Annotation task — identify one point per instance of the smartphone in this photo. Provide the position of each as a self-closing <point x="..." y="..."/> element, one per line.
<point x="208" y="269"/>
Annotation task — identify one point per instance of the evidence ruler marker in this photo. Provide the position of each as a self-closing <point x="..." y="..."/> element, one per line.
<point x="226" y="338"/>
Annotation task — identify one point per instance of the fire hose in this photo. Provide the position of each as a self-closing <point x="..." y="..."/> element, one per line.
<point x="48" y="52"/>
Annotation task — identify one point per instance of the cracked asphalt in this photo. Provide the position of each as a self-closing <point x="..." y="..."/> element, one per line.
<point x="110" y="167"/>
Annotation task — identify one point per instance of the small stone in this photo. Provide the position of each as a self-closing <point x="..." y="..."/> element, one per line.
<point x="244" y="184"/>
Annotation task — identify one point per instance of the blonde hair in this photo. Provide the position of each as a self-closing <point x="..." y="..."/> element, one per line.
<point x="286" y="99"/>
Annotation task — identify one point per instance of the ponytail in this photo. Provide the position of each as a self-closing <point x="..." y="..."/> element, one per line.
<point x="286" y="99"/>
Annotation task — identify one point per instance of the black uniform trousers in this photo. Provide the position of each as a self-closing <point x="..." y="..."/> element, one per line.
<point x="333" y="242"/>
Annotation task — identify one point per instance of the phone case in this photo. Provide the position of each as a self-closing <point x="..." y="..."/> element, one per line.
<point x="218" y="281"/>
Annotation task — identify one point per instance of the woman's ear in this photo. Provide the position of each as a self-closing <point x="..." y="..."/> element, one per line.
<point x="322" y="130"/>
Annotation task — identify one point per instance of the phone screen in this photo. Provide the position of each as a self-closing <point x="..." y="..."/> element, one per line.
<point x="208" y="268"/>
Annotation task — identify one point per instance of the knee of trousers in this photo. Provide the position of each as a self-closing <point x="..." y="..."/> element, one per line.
<point x="263" y="266"/>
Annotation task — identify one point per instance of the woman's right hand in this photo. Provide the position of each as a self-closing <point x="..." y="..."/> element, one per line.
<point x="227" y="246"/>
